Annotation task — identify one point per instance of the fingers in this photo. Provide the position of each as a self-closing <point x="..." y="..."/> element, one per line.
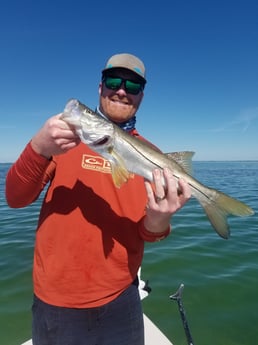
<point x="156" y="192"/>
<point x="169" y="193"/>
<point x="164" y="199"/>
<point x="178" y="190"/>
<point x="63" y="135"/>
<point x="159" y="183"/>
<point x="55" y="137"/>
<point x="185" y="190"/>
<point x="56" y="123"/>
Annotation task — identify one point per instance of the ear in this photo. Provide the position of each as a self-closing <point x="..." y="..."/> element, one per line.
<point x="141" y="96"/>
<point x="100" y="88"/>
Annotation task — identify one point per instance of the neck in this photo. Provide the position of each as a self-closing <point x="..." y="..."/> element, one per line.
<point x="127" y="126"/>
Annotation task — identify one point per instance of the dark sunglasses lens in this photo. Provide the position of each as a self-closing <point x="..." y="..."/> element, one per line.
<point x="113" y="83"/>
<point x="132" y="87"/>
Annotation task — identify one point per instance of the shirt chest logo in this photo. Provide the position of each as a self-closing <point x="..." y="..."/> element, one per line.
<point x="96" y="163"/>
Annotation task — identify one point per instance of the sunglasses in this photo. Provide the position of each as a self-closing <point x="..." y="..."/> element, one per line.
<point x="115" y="83"/>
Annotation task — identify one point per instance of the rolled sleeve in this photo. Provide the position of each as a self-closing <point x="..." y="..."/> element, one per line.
<point x="149" y="236"/>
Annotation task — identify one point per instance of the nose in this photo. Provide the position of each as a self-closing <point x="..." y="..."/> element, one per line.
<point x="121" y="91"/>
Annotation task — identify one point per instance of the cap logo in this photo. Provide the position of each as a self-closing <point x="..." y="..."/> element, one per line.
<point x="137" y="70"/>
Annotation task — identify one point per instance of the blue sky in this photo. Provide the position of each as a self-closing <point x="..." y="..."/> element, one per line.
<point x="201" y="60"/>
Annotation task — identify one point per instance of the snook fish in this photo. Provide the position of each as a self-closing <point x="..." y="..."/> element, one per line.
<point x="128" y="155"/>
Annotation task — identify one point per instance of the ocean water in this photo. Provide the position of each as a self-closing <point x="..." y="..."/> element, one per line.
<point x="220" y="296"/>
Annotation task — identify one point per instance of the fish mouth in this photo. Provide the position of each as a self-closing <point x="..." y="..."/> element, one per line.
<point x="102" y="141"/>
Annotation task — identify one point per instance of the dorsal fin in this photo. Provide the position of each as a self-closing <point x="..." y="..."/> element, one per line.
<point x="183" y="158"/>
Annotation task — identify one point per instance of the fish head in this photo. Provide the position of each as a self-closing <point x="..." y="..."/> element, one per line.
<point x="99" y="134"/>
<point x="93" y="130"/>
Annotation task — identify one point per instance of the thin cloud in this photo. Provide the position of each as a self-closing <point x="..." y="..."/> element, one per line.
<point x="247" y="118"/>
<point x="240" y="123"/>
<point x="7" y="126"/>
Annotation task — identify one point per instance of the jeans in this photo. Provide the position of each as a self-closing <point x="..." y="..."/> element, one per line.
<point x="119" y="322"/>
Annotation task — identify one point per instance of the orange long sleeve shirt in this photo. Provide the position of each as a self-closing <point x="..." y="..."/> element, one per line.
<point x="90" y="235"/>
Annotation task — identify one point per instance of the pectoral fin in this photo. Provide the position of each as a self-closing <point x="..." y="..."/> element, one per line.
<point x="119" y="172"/>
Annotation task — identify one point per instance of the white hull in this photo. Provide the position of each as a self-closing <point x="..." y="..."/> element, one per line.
<point x="153" y="335"/>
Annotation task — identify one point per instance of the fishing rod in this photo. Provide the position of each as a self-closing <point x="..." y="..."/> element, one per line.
<point x="178" y="297"/>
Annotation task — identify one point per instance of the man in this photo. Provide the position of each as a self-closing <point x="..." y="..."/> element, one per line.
<point x="90" y="235"/>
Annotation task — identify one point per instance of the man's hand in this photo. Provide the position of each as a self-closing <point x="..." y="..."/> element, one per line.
<point x="54" y="138"/>
<point x="164" y="201"/>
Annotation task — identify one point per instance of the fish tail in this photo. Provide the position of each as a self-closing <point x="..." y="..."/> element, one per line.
<point x="218" y="206"/>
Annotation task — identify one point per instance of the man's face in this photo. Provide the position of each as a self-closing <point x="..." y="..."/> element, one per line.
<point x="119" y="105"/>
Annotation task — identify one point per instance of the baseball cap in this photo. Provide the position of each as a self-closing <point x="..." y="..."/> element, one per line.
<point x="127" y="61"/>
